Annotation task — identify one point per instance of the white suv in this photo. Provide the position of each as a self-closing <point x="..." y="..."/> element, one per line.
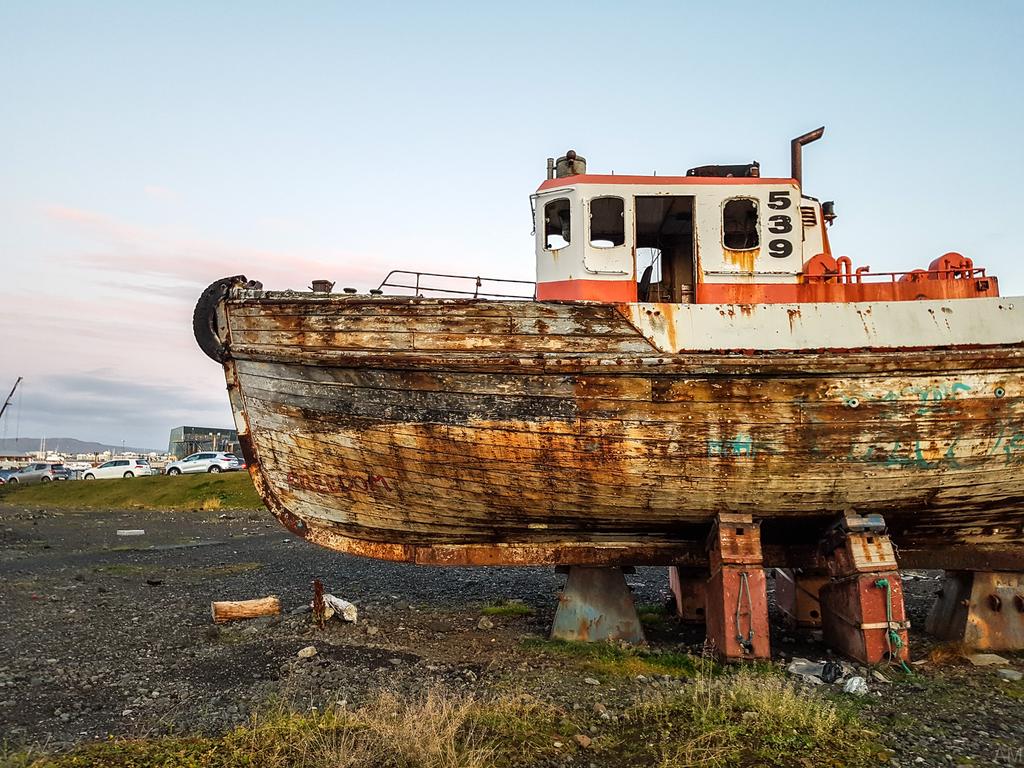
<point x="204" y="462"/>
<point x="119" y="468"/>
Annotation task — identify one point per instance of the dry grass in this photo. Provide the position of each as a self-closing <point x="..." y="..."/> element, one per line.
<point x="744" y="718"/>
<point x="434" y="730"/>
<point x="947" y="654"/>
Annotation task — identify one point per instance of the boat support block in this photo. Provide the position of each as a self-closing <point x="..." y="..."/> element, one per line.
<point x="689" y="588"/>
<point x="983" y="610"/>
<point x="862" y="604"/>
<point x="797" y="593"/>
<point x="595" y="605"/>
<point x="737" y="592"/>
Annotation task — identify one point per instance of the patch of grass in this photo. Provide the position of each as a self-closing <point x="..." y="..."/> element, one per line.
<point x="743" y="718"/>
<point x="622" y="661"/>
<point x="434" y="730"/>
<point x="15" y="758"/>
<point x="652" y="614"/>
<point x="228" y="490"/>
<point x="507" y="608"/>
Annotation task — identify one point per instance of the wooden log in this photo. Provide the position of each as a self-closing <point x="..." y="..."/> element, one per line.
<point x="233" y="610"/>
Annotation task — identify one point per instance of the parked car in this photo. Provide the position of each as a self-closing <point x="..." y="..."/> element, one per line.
<point x="204" y="462"/>
<point x="241" y="460"/>
<point x="119" y="468"/>
<point x="6" y="473"/>
<point x="39" y="473"/>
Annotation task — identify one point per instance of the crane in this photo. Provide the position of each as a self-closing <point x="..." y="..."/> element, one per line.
<point x="7" y="402"/>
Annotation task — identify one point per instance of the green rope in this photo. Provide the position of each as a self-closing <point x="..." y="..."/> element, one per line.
<point x="892" y="637"/>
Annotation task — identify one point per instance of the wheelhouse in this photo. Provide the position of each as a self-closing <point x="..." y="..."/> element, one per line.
<point x="719" y="234"/>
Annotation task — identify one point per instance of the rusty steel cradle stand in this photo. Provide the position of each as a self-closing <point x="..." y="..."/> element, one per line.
<point x="797" y="596"/>
<point x="689" y="590"/>
<point x="983" y="610"/>
<point x="596" y="604"/>
<point x="862" y="605"/>
<point x="731" y="596"/>
<point x="736" y="594"/>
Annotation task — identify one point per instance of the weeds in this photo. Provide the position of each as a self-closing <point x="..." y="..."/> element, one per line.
<point x="742" y="718"/>
<point x="434" y="730"/>
<point x="652" y="614"/>
<point x="621" y="661"/>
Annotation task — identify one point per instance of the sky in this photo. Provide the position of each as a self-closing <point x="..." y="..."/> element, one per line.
<point x="148" y="149"/>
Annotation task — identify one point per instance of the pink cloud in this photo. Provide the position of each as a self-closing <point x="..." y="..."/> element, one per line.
<point x="199" y="262"/>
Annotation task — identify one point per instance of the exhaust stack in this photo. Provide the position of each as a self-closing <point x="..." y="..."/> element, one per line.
<point x="796" y="161"/>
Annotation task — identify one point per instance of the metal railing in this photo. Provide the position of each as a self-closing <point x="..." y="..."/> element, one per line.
<point x="415" y="282"/>
<point x="863" y="275"/>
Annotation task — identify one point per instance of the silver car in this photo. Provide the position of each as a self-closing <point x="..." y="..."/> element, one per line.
<point x="39" y="473"/>
<point x="210" y="461"/>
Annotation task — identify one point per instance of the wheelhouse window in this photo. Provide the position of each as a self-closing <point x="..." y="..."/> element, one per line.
<point x="739" y="224"/>
<point x="557" y="224"/>
<point x="607" y="222"/>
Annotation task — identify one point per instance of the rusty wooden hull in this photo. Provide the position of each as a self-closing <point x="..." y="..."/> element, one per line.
<point x="473" y="432"/>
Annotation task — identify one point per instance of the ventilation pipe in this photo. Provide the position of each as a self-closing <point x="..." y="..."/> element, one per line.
<point x="796" y="162"/>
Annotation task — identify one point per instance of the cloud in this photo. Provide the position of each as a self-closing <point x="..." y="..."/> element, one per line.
<point x="102" y="329"/>
<point x="107" y="407"/>
<point x="197" y="261"/>
<point x="159" y="193"/>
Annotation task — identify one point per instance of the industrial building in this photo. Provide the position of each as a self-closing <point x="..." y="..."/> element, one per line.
<point x="187" y="440"/>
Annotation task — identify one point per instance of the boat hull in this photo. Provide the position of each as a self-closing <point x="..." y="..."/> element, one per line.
<point x="471" y="432"/>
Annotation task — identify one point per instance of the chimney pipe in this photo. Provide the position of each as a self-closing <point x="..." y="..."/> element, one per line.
<point x="795" y="159"/>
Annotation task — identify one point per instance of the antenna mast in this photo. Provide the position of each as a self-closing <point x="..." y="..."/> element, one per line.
<point x="7" y="402"/>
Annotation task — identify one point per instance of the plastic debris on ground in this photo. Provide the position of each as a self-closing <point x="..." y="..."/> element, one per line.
<point x="856" y="686"/>
<point x="817" y="672"/>
<point x="131" y="532"/>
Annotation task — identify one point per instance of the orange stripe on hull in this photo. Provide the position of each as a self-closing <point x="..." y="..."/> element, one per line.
<point x="796" y="293"/>
<point x="611" y="291"/>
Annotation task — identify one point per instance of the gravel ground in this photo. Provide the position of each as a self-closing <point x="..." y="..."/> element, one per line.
<point x="103" y="634"/>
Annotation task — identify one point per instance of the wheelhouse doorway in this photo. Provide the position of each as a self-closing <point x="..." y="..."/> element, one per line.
<point x="665" y="248"/>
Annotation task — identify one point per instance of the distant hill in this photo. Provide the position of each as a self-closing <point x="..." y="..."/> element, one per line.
<point x="63" y="445"/>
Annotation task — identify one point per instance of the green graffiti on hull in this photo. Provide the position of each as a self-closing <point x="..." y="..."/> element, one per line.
<point x="741" y="445"/>
<point x="930" y="395"/>
<point x="1011" y="446"/>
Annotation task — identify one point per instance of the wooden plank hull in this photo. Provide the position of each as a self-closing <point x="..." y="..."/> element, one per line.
<point x="523" y="432"/>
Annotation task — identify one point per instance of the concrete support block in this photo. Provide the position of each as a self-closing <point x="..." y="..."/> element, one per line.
<point x="595" y="605"/>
